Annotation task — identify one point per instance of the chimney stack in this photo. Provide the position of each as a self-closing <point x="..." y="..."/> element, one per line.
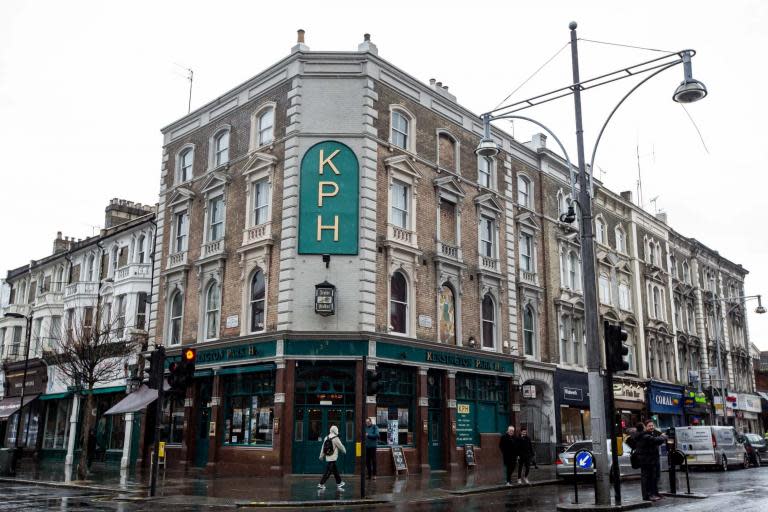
<point x="300" y="46"/>
<point x="662" y="216"/>
<point x="627" y="196"/>
<point x="367" y="45"/>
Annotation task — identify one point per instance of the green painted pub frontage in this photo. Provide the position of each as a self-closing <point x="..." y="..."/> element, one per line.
<point x="263" y="406"/>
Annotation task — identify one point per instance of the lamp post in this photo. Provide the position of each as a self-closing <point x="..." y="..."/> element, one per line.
<point x="735" y="302"/>
<point x="28" y="318"/>
<point x="688" y="91"/>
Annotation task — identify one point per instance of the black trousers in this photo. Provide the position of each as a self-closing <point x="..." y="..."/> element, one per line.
<point x="370" y="460"/>
<point x="649" y="480"/>
<point x="524" y="461"/>
<point x="510" y="465"/>
<point x="331" y="469"/>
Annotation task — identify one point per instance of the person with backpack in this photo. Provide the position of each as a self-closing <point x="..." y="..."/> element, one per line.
<point x="509" y="452"/>
<point x="526" y="454"/>
<point x="329" y="452"/>
<point x="371" y="442"/>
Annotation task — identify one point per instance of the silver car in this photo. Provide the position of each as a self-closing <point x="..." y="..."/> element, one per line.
<point x="564" y="463"/>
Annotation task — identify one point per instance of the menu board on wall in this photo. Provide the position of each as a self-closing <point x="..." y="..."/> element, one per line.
<point x="465" y="425"/>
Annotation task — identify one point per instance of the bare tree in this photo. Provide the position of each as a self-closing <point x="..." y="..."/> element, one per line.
<point x="92" y="349"/>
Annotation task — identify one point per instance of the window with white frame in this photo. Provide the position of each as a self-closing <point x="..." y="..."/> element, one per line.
<point x="180" y="231"/>
<point x="600" y="231"/>
<point x="37" y="331"/>
<point x="523" y="191"/>
<point x="113" y="261"/>
<point x="175" y="324"/>
<point x="398" y="303"/>
<point x="631" y="351"/>
<point x="120" y="316"/>
<point x="689" y="318"/>
<point x="400" y="202"/>
<point x="526" y="252"/>
<point x="574" y="272"/>
<point x="657" y="255"/>
<point x="657" y="306"/>
<point x="15" y="342"/>
<point x="487" y="236"/>
<point x="215" y="218"/>
<point x="257" y="301"/>
<point x="565" y="336"/>
<point x="261" y="200"/>
<point x="141" y="311"/>
<point x="686" y="273"/>
<point x="54" y="335"/>
<point x="140" y="248"/>
<point x="625" y="299"/>
<point x="186" y="160"/>
<point x="489" y="321"/>
<point x="266" y="124"/>
<point x="673" y="265"/>
<point x="91" y="270"/>
<point x="578" y="342"/>
<point x="484" y="171"/>
<point x="529" y="333"/>
<point x="678" y="314"/>
<point x="221" y="148"/>
<point x="212" y="311"/>
<point x="605" y="288"/>
<point x="621" y="240"/>
<point x="400" y="129"/>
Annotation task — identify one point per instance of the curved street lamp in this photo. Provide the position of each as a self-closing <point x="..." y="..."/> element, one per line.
<point x="689" y="91"/>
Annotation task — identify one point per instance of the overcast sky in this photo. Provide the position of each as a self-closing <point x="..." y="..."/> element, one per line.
<point x="86" y="86"/>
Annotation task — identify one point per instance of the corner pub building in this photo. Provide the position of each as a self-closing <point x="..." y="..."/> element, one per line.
<point x="336" y="175"/>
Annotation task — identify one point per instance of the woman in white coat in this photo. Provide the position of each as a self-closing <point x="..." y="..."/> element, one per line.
<point x="329" y="452"/>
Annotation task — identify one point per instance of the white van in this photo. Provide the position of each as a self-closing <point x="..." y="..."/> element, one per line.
<point x="711" y="446"/>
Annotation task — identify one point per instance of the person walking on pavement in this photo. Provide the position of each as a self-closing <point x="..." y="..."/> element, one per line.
<point x="508" y="445"/>
<point x="329" y="452"/>
<point x="526" y="454"/>
<point x="647" y="449"/>
<point x="371" y="442"/>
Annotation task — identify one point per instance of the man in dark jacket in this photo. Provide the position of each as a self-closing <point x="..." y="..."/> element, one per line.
<point x="508" y="444"/>
<point x="647" y="449"/>
<point x="526" y="454"/>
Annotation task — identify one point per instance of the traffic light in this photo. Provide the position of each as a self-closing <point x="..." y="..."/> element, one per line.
<point x="182" y="372"/>
<point x="615" y="336"/>
<point x="372" y="379"/>
<point x="156" y="368"/>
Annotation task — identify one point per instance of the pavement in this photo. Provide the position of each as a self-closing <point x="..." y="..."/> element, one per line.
<point x="195" y="487"/>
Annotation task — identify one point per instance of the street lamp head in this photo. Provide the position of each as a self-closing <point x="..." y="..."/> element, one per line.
<point x="690" y="89"/>
<point x="487" y="148"/>
<point x="760" y="309"/>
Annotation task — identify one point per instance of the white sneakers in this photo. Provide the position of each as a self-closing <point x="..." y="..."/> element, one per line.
<point x="526" y="481"/>
<point x="519" y="481"/>
<point x="341" y="485"/>
<point x="321" y="486"/>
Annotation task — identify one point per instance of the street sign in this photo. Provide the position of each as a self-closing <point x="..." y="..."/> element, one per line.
<point x="584" y="460"/>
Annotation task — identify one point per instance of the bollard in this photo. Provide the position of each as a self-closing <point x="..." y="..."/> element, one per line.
<point x="678" y="458"/>
<point x="672" y="472"/>
<point x="575" y="479"/>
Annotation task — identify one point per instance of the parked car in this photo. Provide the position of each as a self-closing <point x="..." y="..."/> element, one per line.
<point x="564" y="462"/>
<point x="757" y="449"/>
<point x="711" y="446"/>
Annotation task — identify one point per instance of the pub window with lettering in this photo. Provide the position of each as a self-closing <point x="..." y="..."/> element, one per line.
<point x="395" y="405"/>
<point x="482" y="406"/>
<point x="249" y="408"/>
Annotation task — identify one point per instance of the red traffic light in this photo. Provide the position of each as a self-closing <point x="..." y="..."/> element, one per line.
<point x="189" y="354"/>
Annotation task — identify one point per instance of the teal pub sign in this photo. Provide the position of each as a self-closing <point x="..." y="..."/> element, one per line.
<point x="329" y="200"/>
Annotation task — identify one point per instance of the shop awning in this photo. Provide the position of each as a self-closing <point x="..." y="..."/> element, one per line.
<point x="56" y="396"/>
<point x="134" y="402"/>
<point x="8" y="406"/>
<point x="105" y="391"/>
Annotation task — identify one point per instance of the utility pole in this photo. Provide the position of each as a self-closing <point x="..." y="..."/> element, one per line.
<point x="158" y="358"/>
<point x="596" y="384"/>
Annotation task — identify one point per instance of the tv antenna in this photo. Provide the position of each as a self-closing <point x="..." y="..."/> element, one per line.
<point x="652" y="154"/>
<point x="653" y="202"/>
<point x="190" y="76"/>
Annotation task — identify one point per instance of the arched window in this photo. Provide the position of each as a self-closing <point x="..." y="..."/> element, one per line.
<point x="528" y="332"/>
<point x="266" y="125"/>
<point x="689" y="318"/>
<point x="523" y="191"/>
<point x="447" y="314"/>
<point x="600" y="231"/>
<point x="186" y="159"/>
<point x="621" y="241"/>
<point x="489" y="321"/>
<point x="673" y="265"/>
<point x="140" y="249"/>
<point x="398" y="303"/>
<point x="257" y="301"/>
<point x="400" y="129"/>
<point x="91" y="270"/>
<point x="686" y="273"/>
<point x="221" y="148"/>
<point x="113" y="260"/>
<point x="177" y="309"/>
<point x="657" y="255"/>
<point x="212" y="311"/>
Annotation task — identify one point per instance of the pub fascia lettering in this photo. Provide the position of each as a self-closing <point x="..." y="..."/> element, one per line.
<point x="463" y="361"/>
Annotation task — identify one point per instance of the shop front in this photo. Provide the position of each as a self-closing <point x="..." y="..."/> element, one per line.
<point x="665" y="404"/>
<point x="747" y="410"/>
<point x="697" y="407"/>
<point x="572" y="407"/>
<point x="265" y="406"/>
<point x="629" y="402"/>
<point x="21" y="416"/>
